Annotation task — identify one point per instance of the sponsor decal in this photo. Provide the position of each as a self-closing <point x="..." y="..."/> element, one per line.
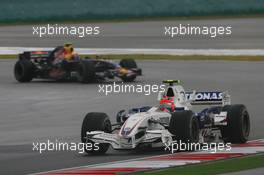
<point x="206" y="96"/>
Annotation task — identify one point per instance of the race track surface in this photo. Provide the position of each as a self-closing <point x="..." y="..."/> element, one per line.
<point x="43" y="110"/>
<point x="247" y="33"/>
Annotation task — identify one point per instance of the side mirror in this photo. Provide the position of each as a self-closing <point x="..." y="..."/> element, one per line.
<point x="226" y="98"/>
<point x="159" y="96"/>
<point x="120" y="115"/>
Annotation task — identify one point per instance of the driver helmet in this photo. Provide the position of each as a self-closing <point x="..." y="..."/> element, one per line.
<point x="68" y="47"/>
<point x="167" y="104"/>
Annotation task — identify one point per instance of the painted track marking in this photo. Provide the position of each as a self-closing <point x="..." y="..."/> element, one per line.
<point x="162" y="161"/>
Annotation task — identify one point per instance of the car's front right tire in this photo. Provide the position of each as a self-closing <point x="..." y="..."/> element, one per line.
<point x="128" y="64"/>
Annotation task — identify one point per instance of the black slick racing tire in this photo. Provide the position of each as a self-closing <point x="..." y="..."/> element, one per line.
<point x="238" y="124"/>
<point x="185" y="127"/>
<point x="128" y="63"/>
<point x="24" y="71"/>
<point x="96" y="121"/>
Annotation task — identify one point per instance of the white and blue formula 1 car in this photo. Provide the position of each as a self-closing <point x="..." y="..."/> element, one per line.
<point x="173" y="119"/>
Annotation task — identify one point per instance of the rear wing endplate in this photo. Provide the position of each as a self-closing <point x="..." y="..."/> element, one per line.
<point x="34" y="54"/>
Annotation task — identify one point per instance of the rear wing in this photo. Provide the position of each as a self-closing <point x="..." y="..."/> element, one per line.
<point x="208" y="98"/>
<point x="34" y="54"/>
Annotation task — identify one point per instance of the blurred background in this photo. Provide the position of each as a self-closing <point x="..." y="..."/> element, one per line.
<point x="15" y="11"/>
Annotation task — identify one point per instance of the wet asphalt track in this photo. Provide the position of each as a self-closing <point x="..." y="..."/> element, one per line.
<point x="247" y="33"/>
<point x="44" y="110"/>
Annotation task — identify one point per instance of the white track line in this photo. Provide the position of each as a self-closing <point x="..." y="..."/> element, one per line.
<point x="219" y="52"/>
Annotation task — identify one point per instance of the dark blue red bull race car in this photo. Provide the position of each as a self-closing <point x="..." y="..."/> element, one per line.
<point x="48" y="65"/>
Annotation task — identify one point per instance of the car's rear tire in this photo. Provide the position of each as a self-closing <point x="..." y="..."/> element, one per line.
<point x="128" y="63"/>
<point x="86" y="72"/>
<point x="96" y="122"/>
<point x="238" y="124"/>
<point x="24" y="71"/>
<point x="184" y="126"/>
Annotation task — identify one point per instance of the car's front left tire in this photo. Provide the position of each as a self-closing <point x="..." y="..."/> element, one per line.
<point x="96" y="121"/>
<point x="128" y="63"/>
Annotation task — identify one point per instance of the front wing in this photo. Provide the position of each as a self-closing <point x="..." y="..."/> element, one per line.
<point x="121" y="142"/>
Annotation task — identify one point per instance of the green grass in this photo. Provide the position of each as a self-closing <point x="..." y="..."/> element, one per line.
<point x="213" y="167"/>
<point x="168" y="57"/>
